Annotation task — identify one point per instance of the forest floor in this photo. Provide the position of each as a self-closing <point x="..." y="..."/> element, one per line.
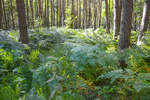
<point x="68" y="64"/>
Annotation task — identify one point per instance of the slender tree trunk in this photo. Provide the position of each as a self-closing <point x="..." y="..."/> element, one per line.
<point x="100" y="11"/>
<point x="36" y="9"/>
<point x="145" y="19"/>
<point x="32" y="13"/>
<point x="60" y="13"/>
<point x="85" y="13"/>
<point x="57" y="13"/>
<point x="1" y="14"/>
<point x="79" y="14"/>
<point x="107" y="17"/>
<point x="72" y="14"/>
<point x="63" y="11"/>
<point x="12" y="15"/>
<point x="90" y="14"/>
<point x="27" y="10"/>
<point x="135" y="16"/>
<point x="117" y="18"/>
<point x="40" y="9"/>
<point x="52" y="13"/>
<point x="4" y="14"/>
<point x="22" y="21"/>
<point x="47" y="14"/>
<point x="95" y="13"/>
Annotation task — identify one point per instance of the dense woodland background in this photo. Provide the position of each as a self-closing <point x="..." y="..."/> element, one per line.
<point x="74" y="49"/>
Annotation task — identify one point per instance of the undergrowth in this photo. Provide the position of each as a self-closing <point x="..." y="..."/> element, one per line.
<point x="69" y="64"/>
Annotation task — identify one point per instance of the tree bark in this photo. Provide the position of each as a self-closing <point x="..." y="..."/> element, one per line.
<point x="107" y="17"/>
<point x="125" y="30"/>
<point x="126" y="24"/>
<point x="90" y="14"/>
<point x="47" y="14"/>
<point x="1" y="14"/>
<point x="72" y="14"/>
<point x="27" y="10"/>
<point x="100" y="11"/>
<point x="22" y="21"/>
<point x="32" y="12"/>
<point x="79" y="13"/>
<point x="57" y="13"/>
<point x="52" y="16"/>
<point x="85" y="14"/>
<point x="60" y="13"/>
<point x="145" y="18"/>
<point x="117" y="18"/>
<point x="63" y="11"/>
<point x="95" y="14"/>
<point x="12" y="15"/>
<point x="4" y="15"/>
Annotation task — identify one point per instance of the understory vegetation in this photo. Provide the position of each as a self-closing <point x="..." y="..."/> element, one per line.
<point x="72" y="64"/>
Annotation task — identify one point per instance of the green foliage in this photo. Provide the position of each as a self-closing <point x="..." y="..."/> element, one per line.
<point x="67" y="64"/>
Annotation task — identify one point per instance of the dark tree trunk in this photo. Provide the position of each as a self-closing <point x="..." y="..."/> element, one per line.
<point x="100" y="11"/>
<point x="12" y="15"/>
<point x="1" y="14"/>
<point x="22" y="21"/>
<point x="47" y="14"/>
<point x="126" y="24"/>
<point x="95" y="13"/>
<point x="52" y="13"/>
<point x="145" y="18"/>
<point x="57" y="13"/>
<point x="107" y="17"/>
<point x="27" y="10"/>
<point x="63" y="11"/>
<point x="60" y="13"/>
<point x="125" y="30"/>
<point x="72" y="13"/>
<point x="79" y="13"/>
<point x="90" y="14"/>
<point x="117" y="18"/>
<point x="32" y="12"/>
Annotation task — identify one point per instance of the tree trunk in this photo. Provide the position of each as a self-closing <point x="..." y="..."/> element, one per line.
<point x="72" y="14"/>
<point x="145" y="18"/>
<point x="27" y="10"/>
<point x="63" y="11"/>
<point x="79" y="13"/>
<point x="117" y="18"/>
<point x="107" y="17"/>
<point x="57" y="13"/>
<point x="40" y="9"/>
<point x="4" y="14"/>
<point x="90" y="14"/>
<point x="22" y="21"/>
<point x="32" y="12"/>
<point x="125" y="30"/>
<point x="52" y="13"/>
<point x="36" y="9"/>
<point x="60" y="13"/>
<point x="100" y="11"/>
<point x="85" y="14"/>
<point x="95" y="14"/>
<point x="126" y="24"/>
<point x="47" y="14"/>
<point x="12" y="15"/>
<point x="1" y="14"/>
